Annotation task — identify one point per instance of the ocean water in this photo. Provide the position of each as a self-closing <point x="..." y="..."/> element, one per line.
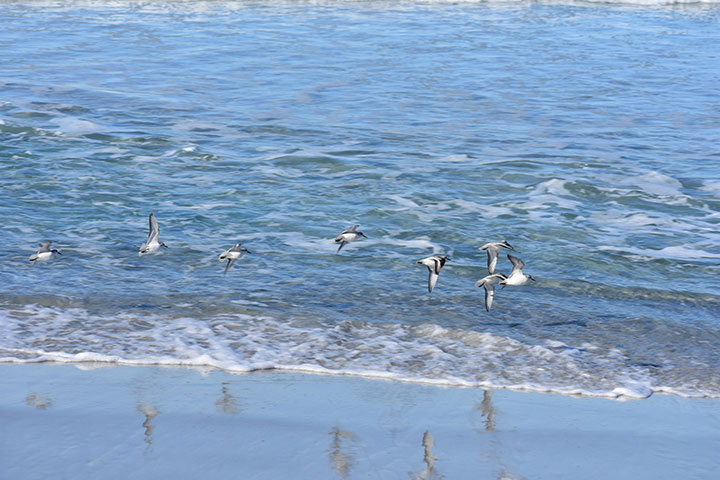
<point x="585" y="134"/>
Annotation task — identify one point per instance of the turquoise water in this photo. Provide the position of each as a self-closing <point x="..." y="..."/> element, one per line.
<point x="586" y="135"/>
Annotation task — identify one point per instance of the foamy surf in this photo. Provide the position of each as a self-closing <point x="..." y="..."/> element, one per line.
<point x="425" y="353"/>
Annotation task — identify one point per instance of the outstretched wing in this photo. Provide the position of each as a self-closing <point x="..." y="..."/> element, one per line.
<point x="492" y="259"/>
<point x="517" y="264"/>
<point x="350" y="229"/>
<point x="229" y="264"/>
<point x="432" y="279"/>
<point x="154" y="231"/>
<point x="489" y="295"/>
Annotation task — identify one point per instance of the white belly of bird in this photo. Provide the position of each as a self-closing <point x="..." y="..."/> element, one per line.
<point x="347" y="237"/>
<point x="516" y="280"/>
<point x="152" y="247"/>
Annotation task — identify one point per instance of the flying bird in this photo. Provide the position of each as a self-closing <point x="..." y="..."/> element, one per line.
<point x="44" y="252"/>
<point x="233" y="254"/>
<point x="492" y="249"/>
<point x="350" y="234"/>
<point x="152" y="244"/>
<point x="434" y="264"/>
<point x="489" y="284"/>
<point x="516" y="277"/>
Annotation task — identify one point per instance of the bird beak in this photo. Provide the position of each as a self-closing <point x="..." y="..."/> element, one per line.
<point x="531" y="278"/>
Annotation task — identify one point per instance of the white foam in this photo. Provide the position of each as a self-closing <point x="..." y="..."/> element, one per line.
<point x="678" y="252"/>
<point x="426" y="353"/>
<point x="712" y="187"/>
<point x="74" y="126"/>
<point x="623" y="218"/>
<point x="657" y="183"/>
<point x="405" y="202"/>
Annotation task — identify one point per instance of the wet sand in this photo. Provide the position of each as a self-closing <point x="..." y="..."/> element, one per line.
<point x="67" y="422"/>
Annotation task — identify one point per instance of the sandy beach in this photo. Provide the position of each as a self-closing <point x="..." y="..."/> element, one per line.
<point x="84" y="421"/>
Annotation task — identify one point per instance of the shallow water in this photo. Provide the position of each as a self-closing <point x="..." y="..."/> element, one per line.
<point x="585" y="135"/>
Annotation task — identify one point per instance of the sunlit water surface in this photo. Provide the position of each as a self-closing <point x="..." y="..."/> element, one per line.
<point x="586" y="135"/>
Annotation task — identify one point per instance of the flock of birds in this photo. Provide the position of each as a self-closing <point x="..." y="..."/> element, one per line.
<point x="434" y="263"/>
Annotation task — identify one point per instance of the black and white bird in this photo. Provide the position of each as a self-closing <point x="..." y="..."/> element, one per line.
<point x="492" y="249"/>
<point x="233" y="254"/>
<point x="516" y="277"/>
<point x="434" y="264"/>
<point x="44" y="252"/>
<point x="350" y="234"/>
<point x="153" y="243"/>
<point x="489" y="284"/>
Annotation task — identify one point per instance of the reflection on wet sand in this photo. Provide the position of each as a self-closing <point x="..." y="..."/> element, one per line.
<point x="41" y="402"/>
<point x="341" y="456"/>
<point x="429" y="472"/>
<point x="488" y="411"/>
<point x="150" y="413"/>
<point x="226" y="403"/>
<point x="493" y="450"/>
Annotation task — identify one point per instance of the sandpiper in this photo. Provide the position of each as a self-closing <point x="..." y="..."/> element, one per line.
<point x="350" y="234"/>
<point x="152" y="244"/>
<point x="44" y="252"/>
<point x="233" y="254"/>
<point x="434" y="264"/>
<point x="492" y="253"/>
<point x="516" y="277"/>
<point x="489" y="284"/>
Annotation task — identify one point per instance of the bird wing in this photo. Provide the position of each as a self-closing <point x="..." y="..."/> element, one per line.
<point x="229" y="264"/>
<point x="154" y="229"/>
<point x="350" y="229"/>
<point x="342" y="244"/>
<point x="492" y="259"/>
<point x="45" y="246"/>
<point x="517" y="264"/>
<point x="489" y="295"/>
<point x="432" y="279"/>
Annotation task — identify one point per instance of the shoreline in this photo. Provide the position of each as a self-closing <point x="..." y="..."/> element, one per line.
<point x="618" y="394"/>
<point x="72" y="421"/>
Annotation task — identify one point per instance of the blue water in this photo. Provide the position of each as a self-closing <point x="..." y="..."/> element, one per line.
<point x="585" y="134"/>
